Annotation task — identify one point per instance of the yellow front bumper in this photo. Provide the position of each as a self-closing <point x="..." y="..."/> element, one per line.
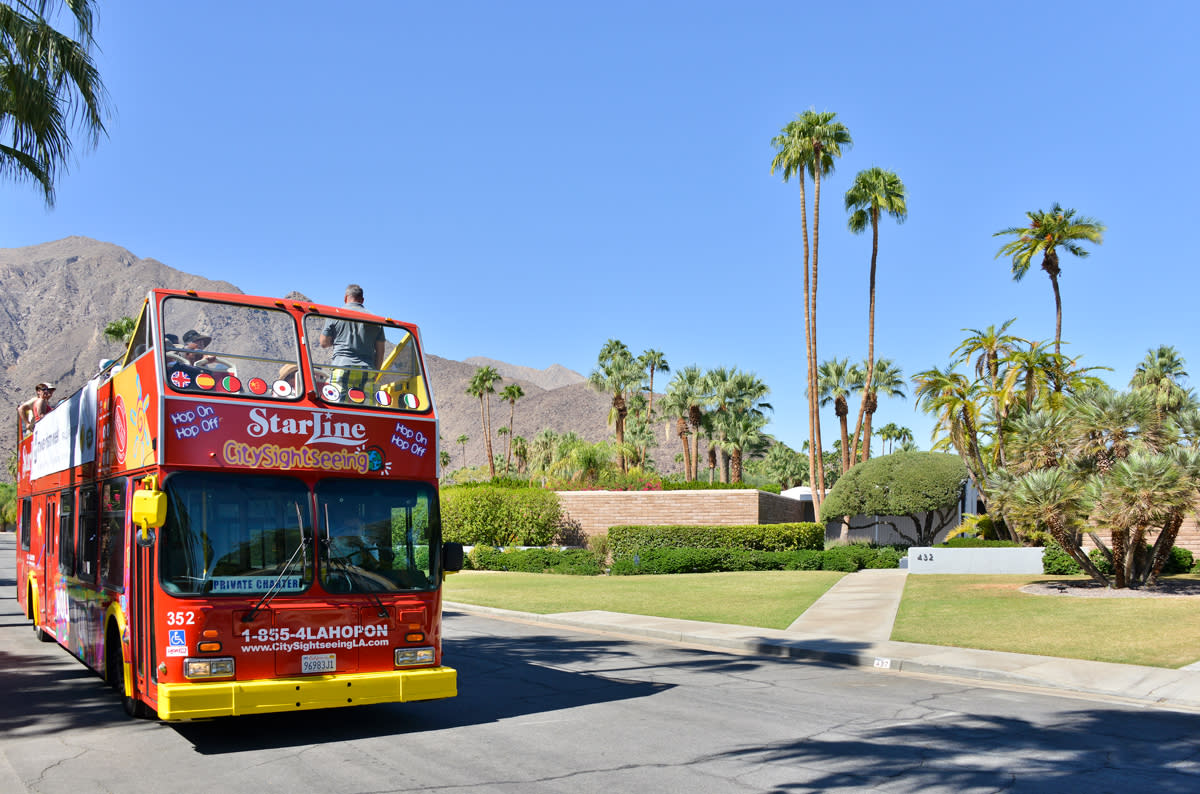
<point x="192" y="701"/>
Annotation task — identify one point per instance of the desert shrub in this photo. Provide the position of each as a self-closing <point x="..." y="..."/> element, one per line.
<point x="496" y="516"/>
<point x="884" y="558"/>
<point x="598" y="545"/>
<point x="1056" y="561"/>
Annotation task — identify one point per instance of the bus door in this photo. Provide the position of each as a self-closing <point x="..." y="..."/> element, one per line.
<point x="48" y="570"/>
<point x="141" y="607"/>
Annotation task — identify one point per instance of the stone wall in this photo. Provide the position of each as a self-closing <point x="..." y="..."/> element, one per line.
<point x="596" y="511"/>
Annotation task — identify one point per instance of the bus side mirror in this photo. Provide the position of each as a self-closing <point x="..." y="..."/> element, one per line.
<point x="452" y="557"/>
<point x="149" y="511"/>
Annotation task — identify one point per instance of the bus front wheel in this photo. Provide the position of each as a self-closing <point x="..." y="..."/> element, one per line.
<point x="38" y="631"/>
<point x="114" y="673"/>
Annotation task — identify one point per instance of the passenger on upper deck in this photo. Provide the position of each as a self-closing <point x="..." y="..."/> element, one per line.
<point x="357" y="347"/>
<point x="33" y="409"/>
<point x="195" y="342"/>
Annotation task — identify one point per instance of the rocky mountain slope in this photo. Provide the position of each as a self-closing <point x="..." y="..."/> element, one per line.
<point x="57" y="297"/>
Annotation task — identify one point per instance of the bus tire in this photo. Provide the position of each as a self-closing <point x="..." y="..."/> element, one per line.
<point x="38" y="631"/>
<point x="114" y="672"/>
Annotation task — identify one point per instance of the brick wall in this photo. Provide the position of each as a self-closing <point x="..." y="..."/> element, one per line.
<point x="596" y="511"/>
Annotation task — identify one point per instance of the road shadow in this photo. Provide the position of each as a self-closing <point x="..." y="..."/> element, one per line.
<point x="499" y="678"/>
<point x="1121" y="747"/>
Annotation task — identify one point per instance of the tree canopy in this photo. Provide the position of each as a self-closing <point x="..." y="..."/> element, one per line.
<point x="922" y="487"/>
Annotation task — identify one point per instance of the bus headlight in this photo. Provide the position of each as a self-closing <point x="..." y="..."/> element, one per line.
<point x="410" y="657"/>
<point x="208" y="668"/>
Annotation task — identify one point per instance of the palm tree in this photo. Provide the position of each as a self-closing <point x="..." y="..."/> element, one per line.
<point x="687" y="391"/>
<point x="677" y="404"/>
<point x="653" y="361"/>
<point x="954" y="402"/>
<point x="48" y="83"/>
<point x="743" y="439"/>
<point x="890" y="382"/>
<point x="617" y="373"/>
<point x="1055" y="500"/>
<point x="483" y="384"/>
<point x="887" y="435"/>
<point x="1159" y="375"/>
<point x="503" y="432"/>
<point x="810" y="142"/>
<point x="835" y="383"/>
<point x="120" y="330"/>
<point x="444" y="459"/>
<point x="1045" y="234"/>
<point x="990" y="347"/>
<point x="874" y="192"/>
<point x="520" y="451"/>
<point x="462" y="442"/>
<point x="511" y="393"/>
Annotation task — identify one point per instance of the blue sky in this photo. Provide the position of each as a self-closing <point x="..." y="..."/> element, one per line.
<point x="526" y="180"/>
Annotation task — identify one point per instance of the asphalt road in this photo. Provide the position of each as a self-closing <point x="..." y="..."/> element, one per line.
<point x="543" y="709"/>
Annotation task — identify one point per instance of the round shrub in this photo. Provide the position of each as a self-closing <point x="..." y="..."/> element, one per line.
<point x="1056" y="561"/>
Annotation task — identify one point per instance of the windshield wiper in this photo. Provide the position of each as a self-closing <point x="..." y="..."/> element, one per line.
<point x="274" y="588"/>
<point x="341" y="565"/>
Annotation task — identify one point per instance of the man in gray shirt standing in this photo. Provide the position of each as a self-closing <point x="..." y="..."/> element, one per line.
<point x="357" y="347"/>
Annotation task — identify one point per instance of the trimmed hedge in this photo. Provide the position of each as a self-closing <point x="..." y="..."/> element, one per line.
<point x="976" y="543"/>
<point x="492" y="515"/>
<point x="702" y="560"/>
<point x="628" y="540"/>
<point x="577" y="562"/>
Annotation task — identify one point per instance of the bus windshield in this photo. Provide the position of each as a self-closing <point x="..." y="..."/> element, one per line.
<point x="235" y="534"/>
<point x="364" y="363"/>
<point x="377" y="536"/>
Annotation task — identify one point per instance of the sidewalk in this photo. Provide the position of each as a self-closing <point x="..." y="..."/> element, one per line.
<point x="850" y="625"/>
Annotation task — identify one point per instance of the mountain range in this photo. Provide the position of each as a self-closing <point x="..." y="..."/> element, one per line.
<point x="57" y="297"/>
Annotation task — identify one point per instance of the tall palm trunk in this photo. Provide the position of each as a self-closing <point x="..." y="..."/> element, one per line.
<point x="681" y="427"/>
<point x="843" y="411"/>
<point x="622" y="411"/>
<point x="813" y="413"/>
<point x="694" y="419"/>
<point x="812" y="358"/>
<point x="1050" y="265"/>
<point x="870" y="403"/>
<point x="862" y="408"/>
<point x="485" y="419"/>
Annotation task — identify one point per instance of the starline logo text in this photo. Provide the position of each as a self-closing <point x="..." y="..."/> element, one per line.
<point x="320" y="427"/>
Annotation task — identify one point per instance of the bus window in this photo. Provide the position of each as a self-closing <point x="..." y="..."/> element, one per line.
<point x="141" y="340"/>
<point x="223" y="348"/>
<point x="89" y="540"/>
<point x="344" y="373"/>
<point x="112" y="534"/>
<point x="377" y="536"/>
<point x="26" y="522"/>
<point x="66" y="533"/>
<point x="232" y="534"/>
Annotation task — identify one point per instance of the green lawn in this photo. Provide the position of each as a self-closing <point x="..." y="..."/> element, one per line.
<point x="987" y="612"/>
<point x="991" y="612"/>
<point x="768" y="599"/>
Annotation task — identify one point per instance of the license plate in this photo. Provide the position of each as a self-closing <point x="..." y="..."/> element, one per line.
<point x="318" y="663"/>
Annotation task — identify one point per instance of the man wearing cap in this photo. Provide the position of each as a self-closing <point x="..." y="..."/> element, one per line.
<point x="357" y="347"/>
<point x="33" y="409"/>
<point x="195" y="342"/>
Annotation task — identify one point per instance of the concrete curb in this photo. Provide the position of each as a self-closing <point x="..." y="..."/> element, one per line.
<point x="1155" y="686"/>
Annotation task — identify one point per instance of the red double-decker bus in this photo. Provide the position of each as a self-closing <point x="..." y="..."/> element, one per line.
<point x="241" y="516"/>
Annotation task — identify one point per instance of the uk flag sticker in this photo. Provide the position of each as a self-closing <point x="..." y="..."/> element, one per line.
<point x="181" y="379"/>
